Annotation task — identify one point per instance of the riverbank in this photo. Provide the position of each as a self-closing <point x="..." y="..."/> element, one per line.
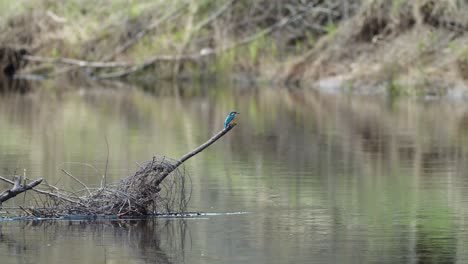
<point x="400" y="47"/>
<point x="413" y="48"/>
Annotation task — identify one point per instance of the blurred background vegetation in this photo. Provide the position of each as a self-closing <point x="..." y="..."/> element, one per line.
<point x="405" y="45"/>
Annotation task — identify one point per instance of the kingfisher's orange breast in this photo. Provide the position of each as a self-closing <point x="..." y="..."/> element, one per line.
<point x="232" y="121"/>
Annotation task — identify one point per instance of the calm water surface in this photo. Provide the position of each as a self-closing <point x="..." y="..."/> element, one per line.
<point x="324" y="178"/>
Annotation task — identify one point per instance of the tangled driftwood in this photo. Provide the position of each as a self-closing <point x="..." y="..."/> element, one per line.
<point x="147" y="191"/>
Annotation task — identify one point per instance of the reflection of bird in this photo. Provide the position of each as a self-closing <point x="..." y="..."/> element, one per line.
<point x="230" y="119"/>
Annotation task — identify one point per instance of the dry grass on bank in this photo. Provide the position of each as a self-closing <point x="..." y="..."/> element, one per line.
<point x="248" y="36"/>
<point x="408" y="44"/>
<point x="363" y="42"/>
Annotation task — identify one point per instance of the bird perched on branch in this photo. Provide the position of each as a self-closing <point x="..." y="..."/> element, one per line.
<point x="230" y="119"/>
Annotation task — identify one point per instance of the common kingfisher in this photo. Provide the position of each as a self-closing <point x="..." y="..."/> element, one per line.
<point x="230" y="119"/>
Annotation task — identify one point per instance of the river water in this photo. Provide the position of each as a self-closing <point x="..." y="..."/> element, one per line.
<point x="305" y="177"/>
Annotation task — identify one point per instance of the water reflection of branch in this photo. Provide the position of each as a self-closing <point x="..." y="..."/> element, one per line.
<point x="155" y="240"/>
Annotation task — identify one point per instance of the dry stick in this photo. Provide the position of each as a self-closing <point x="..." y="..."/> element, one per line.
<point x="195" y="152"/>
<point x="18" y="188"/>
<point x="26" y="211"/>
<point x="44" y="192"/>
<point x="107" y="164"/>
<point x="77" y="180"/>
<point x="144" y="65"/>
<point x="80" y="63"/>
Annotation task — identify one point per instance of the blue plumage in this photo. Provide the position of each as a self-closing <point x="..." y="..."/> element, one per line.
<point x="230" y="119"/>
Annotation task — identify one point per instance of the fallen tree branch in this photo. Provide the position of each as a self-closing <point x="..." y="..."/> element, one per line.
<point x="195" y="152"/>
<point x="18" y="188"/>
<point x="44" y="192"/>
<point x="80" y="63"/>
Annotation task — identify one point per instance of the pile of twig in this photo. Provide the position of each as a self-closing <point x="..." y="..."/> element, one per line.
<point x="138" y="194"/>
<point x="148" y="191"/>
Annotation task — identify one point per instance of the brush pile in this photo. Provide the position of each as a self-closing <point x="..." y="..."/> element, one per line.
<point x="136" y="195"/>
<point x="148" y="191"/>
